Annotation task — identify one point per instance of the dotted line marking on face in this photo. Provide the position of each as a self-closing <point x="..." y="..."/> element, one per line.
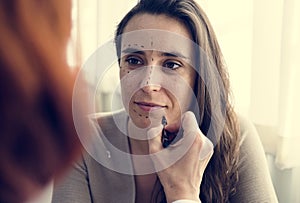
<point x="149" y="77"/>
<point x="140" y="115"/>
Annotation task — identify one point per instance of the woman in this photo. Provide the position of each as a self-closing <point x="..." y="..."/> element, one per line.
<point x="38" y="139"/>
<point x="171" y="71"/>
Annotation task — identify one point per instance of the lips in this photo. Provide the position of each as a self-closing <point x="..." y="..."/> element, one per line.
<point x="149" y="106"/>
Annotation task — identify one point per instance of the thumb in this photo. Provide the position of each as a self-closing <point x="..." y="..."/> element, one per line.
<point x="190" y="126"/>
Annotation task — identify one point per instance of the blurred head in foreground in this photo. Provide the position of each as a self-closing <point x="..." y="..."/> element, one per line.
<point x="37" y="135"/>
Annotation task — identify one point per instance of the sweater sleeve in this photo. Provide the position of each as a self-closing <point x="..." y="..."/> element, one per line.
<point x="254" y="183"/>
<point x="74" y="187"/>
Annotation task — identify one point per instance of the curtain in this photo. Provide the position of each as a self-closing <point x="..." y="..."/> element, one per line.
<point x="275" y="95"/>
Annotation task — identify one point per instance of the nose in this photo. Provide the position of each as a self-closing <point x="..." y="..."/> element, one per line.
<point x="152" y="80"/>
<point x="151" y="87"/>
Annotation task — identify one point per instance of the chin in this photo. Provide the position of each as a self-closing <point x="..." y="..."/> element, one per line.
<point x="140" y="122"/>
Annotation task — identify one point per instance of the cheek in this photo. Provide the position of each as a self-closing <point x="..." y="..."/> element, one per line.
<point x="123" y="71"/>
<point x="190" y="77"/>
<point x="181" y="92"/>
<point x="126" y="87"/>
<point x="130" y="81"/>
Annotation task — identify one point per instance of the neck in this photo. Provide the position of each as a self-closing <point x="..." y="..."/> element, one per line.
<point x="138" y="139"/>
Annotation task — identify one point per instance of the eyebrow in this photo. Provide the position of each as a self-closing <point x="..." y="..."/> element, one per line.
<point x="174" y="54"/>
<point x="142" y="52"/>
<point x="133" y="51"/>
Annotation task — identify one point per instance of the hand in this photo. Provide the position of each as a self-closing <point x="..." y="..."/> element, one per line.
<point x="190" y="155"/>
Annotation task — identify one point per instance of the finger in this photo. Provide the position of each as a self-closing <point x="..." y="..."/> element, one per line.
<point x="154" y="139"/>
<point x="207" y="148"/>
<point x="163" y="158"/>
<point x="190" y="127"/>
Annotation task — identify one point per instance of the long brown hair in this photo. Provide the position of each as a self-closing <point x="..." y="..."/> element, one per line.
<point x="37" y="138"/>
<point x="221" y="174"/>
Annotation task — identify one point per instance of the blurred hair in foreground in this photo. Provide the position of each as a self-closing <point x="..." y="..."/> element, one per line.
<point x="38" y="138"/>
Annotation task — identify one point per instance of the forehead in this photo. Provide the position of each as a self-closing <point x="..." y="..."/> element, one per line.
<point x="159" y="22"/>
<point x="157" y="32"/>
<point x="159" y="40"/>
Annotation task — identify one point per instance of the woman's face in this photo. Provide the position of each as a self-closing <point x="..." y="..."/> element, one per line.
<point x="157" y="77"/>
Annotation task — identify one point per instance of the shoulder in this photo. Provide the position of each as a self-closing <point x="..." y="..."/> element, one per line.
<point x="109" y="132"/>
<point x="254" y="183"/>
<point x="251" y="148"/>
<point x="249" y="136"/>
<point x="247" y="128"/>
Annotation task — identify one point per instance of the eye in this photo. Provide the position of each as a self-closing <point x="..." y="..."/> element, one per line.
<point x="132" y="60"/>
<point x="172" y="65"/>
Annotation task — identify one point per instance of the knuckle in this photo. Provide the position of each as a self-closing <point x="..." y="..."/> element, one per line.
<point x="198" y="141"/>
<point x="153" y="148"/>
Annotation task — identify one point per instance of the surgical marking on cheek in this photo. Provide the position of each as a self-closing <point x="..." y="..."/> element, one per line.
<point x="124" y="70"/>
